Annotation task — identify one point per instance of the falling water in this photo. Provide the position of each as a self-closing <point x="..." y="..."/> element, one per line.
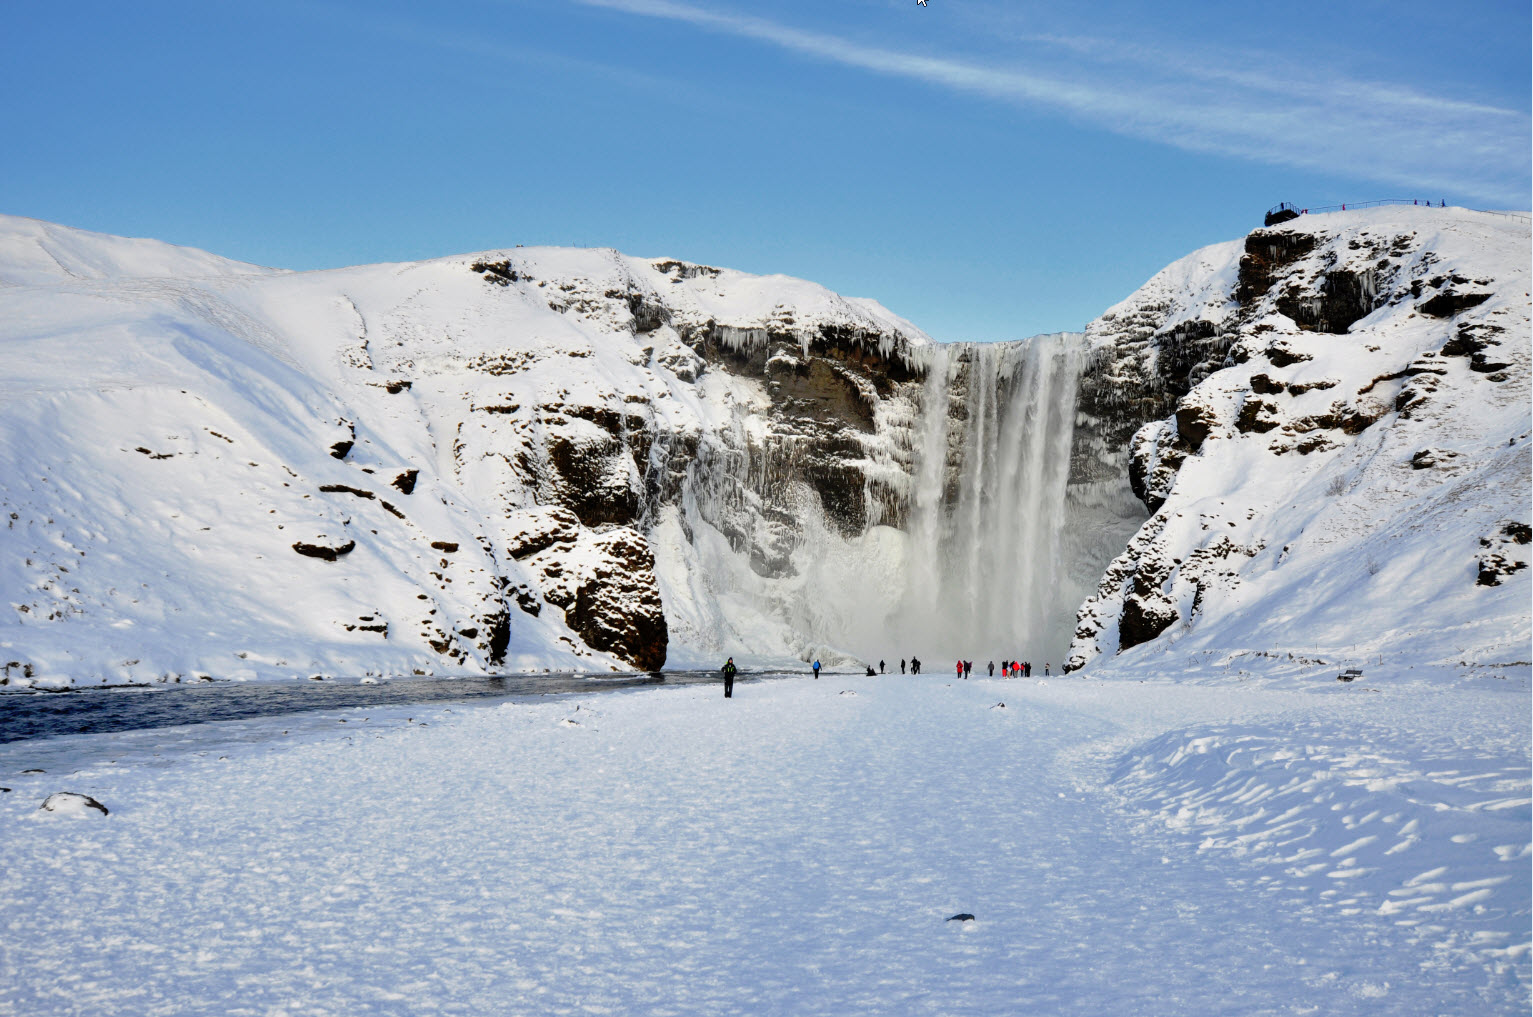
<point x="988" y="502"/>
<point x="977" y="561"/>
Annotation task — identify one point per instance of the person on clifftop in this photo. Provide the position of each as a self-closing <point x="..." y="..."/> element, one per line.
<point x="729" y="678"/>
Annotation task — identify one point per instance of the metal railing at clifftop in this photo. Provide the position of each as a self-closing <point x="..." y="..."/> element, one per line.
<point x="1353" y="205"/>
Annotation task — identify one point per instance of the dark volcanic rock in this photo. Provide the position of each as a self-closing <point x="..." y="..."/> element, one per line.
<point x="1144" y="618"/>
<point x="614" y="604"/>
<point x="1503" y="555"/>
<point x="1448" y="303"/>
<point x="1267" y="253"/>
<point x="325" y="551"/>
<point x="593" y="470"/>
<point x="497" y="636"/>
<point x="1194" y="422"/>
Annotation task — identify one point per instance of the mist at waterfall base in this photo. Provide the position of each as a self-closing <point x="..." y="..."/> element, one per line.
<point x="989" y="555"/>
<point x="983" y="574"/>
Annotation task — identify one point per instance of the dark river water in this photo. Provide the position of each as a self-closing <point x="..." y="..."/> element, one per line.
<point x="49" y="714"/>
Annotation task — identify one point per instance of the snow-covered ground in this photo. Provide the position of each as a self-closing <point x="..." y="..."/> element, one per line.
<point x="1272" y="842"/>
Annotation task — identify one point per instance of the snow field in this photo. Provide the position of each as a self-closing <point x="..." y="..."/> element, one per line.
<point x="1127" y="848"/>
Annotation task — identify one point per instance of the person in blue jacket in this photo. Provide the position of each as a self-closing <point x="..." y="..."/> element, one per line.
<point x="817" y="670"/>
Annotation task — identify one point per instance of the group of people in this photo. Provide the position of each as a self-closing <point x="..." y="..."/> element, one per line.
<point x="1009" y="669"/>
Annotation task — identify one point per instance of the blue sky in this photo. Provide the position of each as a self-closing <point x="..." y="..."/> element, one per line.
<point x="988" y="170"/>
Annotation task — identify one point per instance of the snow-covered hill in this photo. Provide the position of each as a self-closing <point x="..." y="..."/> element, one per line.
<point x="223" y="470"/>
<point x="576" y="459"/>
<point x="1340" y="468"/>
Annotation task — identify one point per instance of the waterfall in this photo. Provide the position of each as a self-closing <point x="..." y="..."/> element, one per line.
<point x="966" y="551"/>
<point x="988" y="503"/>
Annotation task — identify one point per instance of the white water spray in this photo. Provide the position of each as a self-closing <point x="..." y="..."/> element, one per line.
<point x="988" y="503"/>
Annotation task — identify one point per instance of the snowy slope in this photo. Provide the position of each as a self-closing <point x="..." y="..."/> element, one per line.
<point x="178" y="426"/>
<point x="1351" y="450"/>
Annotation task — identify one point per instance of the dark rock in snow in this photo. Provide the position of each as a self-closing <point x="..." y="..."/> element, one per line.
<point x="324" y="551"/>
<point x="614" y="604"/>
<point x="964" y="917"/>
<point x="346" y="489"/>
<point x="1502" y="556"/>
<point x="1448" y="303"/>
<point x="70" y="803"/>
<point x="1144" y="617"/>
<point x="1429" y="457"/>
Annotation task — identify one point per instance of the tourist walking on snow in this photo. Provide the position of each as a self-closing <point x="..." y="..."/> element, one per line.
<point x="959" y="666"/>
<point x="729" y="678"/>
<point x="992" y="669"/>
<point x="902" y="665"/>
<point x="915" y="665"/>
<point x="817" y="670"/>
<point x="1045" y="667"/>
<point x="880" y="667"/>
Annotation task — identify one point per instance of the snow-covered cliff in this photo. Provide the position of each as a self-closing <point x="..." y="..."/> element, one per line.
<point x="576" y="459"/>
<point x="1336" y="447"/>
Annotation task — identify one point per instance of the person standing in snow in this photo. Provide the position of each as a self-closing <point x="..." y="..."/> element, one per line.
<point x="968" y="668"/>
<point x="817" y="670"/>
<point x="959" y="667"/>
<point x="992" y="669"/>
<point x="880" y="667"/>
<point x="915" y="665"/>
<point x="902" y="665"/>
<point x="729" y="678"/>
<point x="1045" y="667"/>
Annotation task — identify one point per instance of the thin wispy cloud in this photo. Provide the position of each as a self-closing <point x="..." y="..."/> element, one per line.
<point x="1391" y="134"/>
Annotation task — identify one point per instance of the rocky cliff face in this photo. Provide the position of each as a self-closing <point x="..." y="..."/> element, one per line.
<point x="1287" y="396"/>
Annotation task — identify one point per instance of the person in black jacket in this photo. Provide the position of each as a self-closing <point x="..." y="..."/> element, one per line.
<point x="729" y="678"/>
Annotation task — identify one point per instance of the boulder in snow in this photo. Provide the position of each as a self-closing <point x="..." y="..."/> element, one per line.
<point x="69" y="803"/>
